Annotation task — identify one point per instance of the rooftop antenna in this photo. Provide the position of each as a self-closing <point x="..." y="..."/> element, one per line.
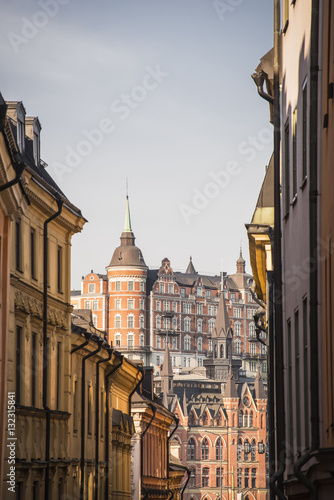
<point x="127" y="187"/>
<point x="221" y="276"/>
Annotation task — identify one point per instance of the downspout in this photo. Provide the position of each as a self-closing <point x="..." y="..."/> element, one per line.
<point x="177" y="421"/>
<point x="117" y="367"/>
<point x="153" y="408"/>
<point x="259" y="78"/>
<point x="278" y="295"/>
<point x="313" y="229"/>
<point x="46" y="344"/>
<point x="18" y="167"/>
<point x="83" y="415"/>
<point x="185" y="485"/>
<point x="97" y="421"/>
<point x="271" y="386"/>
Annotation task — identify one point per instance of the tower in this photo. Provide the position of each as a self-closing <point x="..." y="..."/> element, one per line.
<point x="127" y="274"/>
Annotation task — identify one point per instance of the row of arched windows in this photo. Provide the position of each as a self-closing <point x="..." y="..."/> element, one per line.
<point x="245" y="451"/>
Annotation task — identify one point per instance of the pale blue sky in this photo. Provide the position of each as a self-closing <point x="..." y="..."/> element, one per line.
<point x="73" y="62"/>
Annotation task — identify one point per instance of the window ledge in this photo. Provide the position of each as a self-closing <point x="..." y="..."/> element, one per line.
<point x="294" y="200"/>
<point x="303" y="183"/>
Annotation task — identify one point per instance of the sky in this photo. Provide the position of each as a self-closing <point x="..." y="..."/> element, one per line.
<point x="157" y="92"/>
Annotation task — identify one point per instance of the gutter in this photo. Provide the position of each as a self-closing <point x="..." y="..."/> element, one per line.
<point x="46" y="343"/>
<point x="107" y="424"/>
<point x="97" y="421"/>
<point x="83" y="415"/>
<point x="153" y="408"/>
<point x="313" y="229"/>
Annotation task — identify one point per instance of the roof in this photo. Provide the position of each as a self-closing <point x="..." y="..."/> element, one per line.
<point x="190" y="269"/>
<point x="222" y="324"/>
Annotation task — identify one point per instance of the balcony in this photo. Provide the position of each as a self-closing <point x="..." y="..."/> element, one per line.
<point x="162" y="331"/>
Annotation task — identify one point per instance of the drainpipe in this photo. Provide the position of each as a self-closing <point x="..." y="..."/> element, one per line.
<point x="313" y="229"/>
<point x="83" y="415"/>
<point x="177" y="421"/>
<point x="97" y="422"/>
<point x="136" y="387"/>
<point x="116" y="368"/>
<point x="46" y="343"/>
<point x="153" y="408"/>
<point x="18" y="167"/>
<point x="187" y="481"/>
<point x="259" y="78"/>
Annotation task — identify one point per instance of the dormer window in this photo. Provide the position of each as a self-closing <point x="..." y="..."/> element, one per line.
<point x="33" y="131"/>
<point x="21" y="127"/>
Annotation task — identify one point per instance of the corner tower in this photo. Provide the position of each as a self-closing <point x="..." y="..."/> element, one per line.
<point x="127" y="275"/>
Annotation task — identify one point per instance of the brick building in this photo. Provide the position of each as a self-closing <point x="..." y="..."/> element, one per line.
<point x="139" y="308"/>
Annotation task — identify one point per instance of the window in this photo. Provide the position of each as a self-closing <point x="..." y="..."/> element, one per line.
<point x="184" y="361"/>
<point x="166" y="305"/>
<point x="142" y="286"/>
<point x="287" y="168"/>
<point x="158" y="360"/>
<point x="141" y="322"/>
<point x="205" y="449"/>
<point x="187" y="308"/>
<point x="20" y="132"/>
<point x="166" y="323"/>
<point x="34" y="369"/>
<point x="252" y="348"/>
<point x="237" y="312"/>
<point x="239" y="477"/>
<point x="174" y="321"/>
<point x="246" y="478"/>
<point x="60" y="269"/>
<point x="208" y="293"/>
<point x="199" y="308"/>
<point x="192" y="480"/>
<point x="205" y="476"/>
<point x="264" y="367"/>
<point x="130" y="286"/>
<point x="141" y="304"/>
<point x="253" y="449"/>
<point x="117" y="286"/>
<point x="158" y="340"/>
<point x="130" y="341"/>
<point x="263" y="349"/>
<point x="237" y="346"/>
<point x="304" y="130"/>
<point x="210" y="344"/>
<point x="162" y="288"/>
<point x="91" y="288"/>
<point x="219" y="477"/>
<point x="183" y="292"/>
<point x="187" y="325"/>
<point x="199" y="291"/>
<point x="141" y="340"/>
<point x="239" y="449"/>
<point x="75" y="406"/>
<point x="118" y="339"/>
<point x="246" y="419"/>
<point x="187" y="343"/>
<point x="191" y="449"/>
<point x="200" y="344"/>
<point x="294" y="154"/>
<point x="237" y="328"/>
<point x="158" y="305"/>
<point x="174" y="307"/>
<point x="252" y="366"/>
<point x="251" y="419"/>
<point x="95" y="305"/>
<point x="199" y="325"/>
<point x="211" y="325"/>
<point x="251" y="330"/>
<point x="131" y="303"/>
<point x="87" y="304"/>
<point x="232" y="296"/>
<point x="174" y="342"/>
<point x="90" y="411"/>
<point x="33" y="253"/>
<point x="246" y="450"/>
<point x="253" y="478"/>
<point x="94" y="319"/>
<point x="117" y="321"/>
<point x="219" y="449"/>
<point x="170" y="288"/>
<point x="18" y="244"/>
<point x="250" y="313"/>
<point x="297" y="378"/>
<point x="130" y="321"/>
<point x="241" y="418"/>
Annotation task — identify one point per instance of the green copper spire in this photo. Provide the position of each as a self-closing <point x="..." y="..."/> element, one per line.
<point x="127" y="221"/>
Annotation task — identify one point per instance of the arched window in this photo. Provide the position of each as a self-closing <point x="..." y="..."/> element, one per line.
<point x="241" y="420"/>
<point x="158" y="321"/>
<point x="205" y="476"/>
<point x="191" y="449"/>
<point x="237" y="346"/>
<point x="239" y="449"/>
<point x="200" y="344"/>
<point x="246" y="419"/>
<point x="219" y="449"/>
<point x="221" y="351"/>
<point x="199" y="325"/>
<point x="247" y="449"/>
<point x="192" y="480"/>
<point x="251" y="419"/>
<point x="246" y="478"/>
<point x="187" y="343"/>
<point x="253" y="478"/>
<point x="237" y="328"/>
<point x="233" y="420"/>
<point x="251" y="329"/>
<point x="219" y="476"/>
<point x="187" y="325"/>
<point x="205" y="449"/>
<point x="253" y="451"/>
<point x="130" y="321"/>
